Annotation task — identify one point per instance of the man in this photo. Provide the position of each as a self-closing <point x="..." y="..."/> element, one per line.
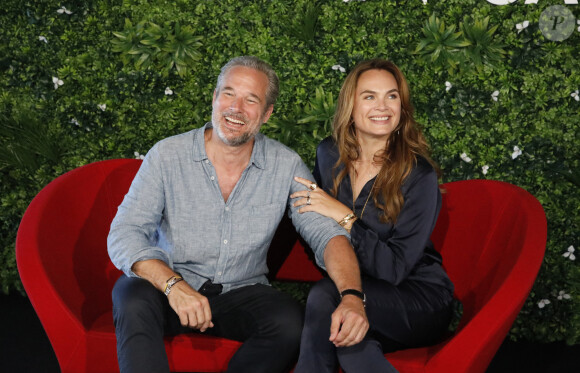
<point x="193" y="231"/>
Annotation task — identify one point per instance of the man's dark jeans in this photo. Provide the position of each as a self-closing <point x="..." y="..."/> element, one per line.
<point x="268" y="322"/>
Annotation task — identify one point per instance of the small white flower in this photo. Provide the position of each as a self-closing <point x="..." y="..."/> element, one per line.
<point x="484" y="169"/>
<point x="168" y="91"/>
<point x="517" y="152"/>
<point x="576" y="95"/>
<point x="424" y="2"/>
<point x="522" y="26"/>
<point x="562" y="295"/>
<point x="448" y="86"/>
<point x="42" y="38"/>
<point x="57" y="82"/>
<point x="338" y="67"/>
<point x="570" y="253"/>
<point x="530" y="2"/>
<point x="63" y="10"/>
<point x="103" y="107"/>
<point x="465" y="158"/>
<point x="494" y="95"/>
<point x="75" y="122"/>
<point x="542" y="303"/>
<point x="139" y="156"/>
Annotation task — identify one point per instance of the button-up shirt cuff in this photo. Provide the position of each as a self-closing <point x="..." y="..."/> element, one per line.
<point x="319" y="253"/>
<point x="156" y="255"/>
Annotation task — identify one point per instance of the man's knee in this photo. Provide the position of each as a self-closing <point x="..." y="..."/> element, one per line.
<point x="137" y="298"/>
<point x="286" y="321"/>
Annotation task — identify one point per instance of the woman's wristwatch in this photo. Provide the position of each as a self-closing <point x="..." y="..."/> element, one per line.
<point x="356" y="293"/>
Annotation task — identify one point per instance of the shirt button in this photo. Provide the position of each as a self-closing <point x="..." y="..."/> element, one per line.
<point x="226" y="242"/>
<point x="219" y="273"/>
<point x="227" y="208"/>
<point x="207" y="161"/>
<point x="212" y="178"/>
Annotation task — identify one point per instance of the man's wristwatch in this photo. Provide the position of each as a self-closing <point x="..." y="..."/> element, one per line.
<point x="356" y="293"/>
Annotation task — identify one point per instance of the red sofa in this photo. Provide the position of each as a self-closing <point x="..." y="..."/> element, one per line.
<point x="491" y="234"/>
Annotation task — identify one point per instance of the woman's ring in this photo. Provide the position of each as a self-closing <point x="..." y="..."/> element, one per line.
<point x="313" y="186"/>
<point x="308" y="201"/>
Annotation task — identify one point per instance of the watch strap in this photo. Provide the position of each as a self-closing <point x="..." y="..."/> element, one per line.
<point x="356" y="293"/>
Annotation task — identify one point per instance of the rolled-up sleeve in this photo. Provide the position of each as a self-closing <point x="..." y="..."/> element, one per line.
<point x="133" y="233"/>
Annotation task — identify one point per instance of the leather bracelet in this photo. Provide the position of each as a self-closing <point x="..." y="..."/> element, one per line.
<point x="356" y="293"/>
<point x="346" y="219"/>
<point x="170" y="282"/>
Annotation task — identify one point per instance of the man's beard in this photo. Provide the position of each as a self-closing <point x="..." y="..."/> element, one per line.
<point x="236" y="140"/>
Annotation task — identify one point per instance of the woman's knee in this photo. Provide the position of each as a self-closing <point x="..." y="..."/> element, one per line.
<point x="323" y="297"/>
<point x="366" y="356"/>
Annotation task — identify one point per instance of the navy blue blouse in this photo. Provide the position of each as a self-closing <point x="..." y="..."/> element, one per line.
<point x="391" y="252"/>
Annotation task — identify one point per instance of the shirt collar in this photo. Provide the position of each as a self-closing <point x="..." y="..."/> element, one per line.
<point x="258" y="157"/>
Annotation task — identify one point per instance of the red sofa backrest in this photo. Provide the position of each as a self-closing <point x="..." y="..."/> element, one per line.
<point x="75" y="259"/>
<point x="481" y="232"/>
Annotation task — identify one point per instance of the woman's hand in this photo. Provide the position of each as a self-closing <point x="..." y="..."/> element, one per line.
<point x="317" y="200"/>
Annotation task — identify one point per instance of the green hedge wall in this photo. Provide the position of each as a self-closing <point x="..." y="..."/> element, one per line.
<point x="82" y="81"/>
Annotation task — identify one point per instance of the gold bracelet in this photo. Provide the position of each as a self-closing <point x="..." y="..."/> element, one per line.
<point x="170" y="282"/>
<point x="346" y="219"/>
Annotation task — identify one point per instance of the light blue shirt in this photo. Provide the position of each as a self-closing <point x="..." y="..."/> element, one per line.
<point x="175" y="212"/>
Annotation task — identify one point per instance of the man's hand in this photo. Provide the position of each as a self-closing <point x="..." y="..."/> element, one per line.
<point x="192" y="308"/>
<point x="349" y="323"/>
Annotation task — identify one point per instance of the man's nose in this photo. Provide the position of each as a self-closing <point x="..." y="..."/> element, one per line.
<point x="236" y="104"/>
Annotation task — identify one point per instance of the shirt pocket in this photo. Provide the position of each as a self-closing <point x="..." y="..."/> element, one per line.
<point x="255" y="225"/>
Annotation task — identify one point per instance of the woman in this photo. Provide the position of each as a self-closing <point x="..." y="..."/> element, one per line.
<point x="378" y="182"/>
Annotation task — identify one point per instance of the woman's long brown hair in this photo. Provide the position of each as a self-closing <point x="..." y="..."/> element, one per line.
<point x="404" y="144"/>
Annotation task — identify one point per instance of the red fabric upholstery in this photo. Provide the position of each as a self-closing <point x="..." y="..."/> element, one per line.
<point x="492" y="236"/>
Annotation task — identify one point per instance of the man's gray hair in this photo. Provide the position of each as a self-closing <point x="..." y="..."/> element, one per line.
<point x="255" y="63"/>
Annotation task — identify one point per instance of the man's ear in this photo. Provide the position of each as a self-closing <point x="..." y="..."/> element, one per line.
<point x="267" y="113"/>
<point x="214" y="96"/>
